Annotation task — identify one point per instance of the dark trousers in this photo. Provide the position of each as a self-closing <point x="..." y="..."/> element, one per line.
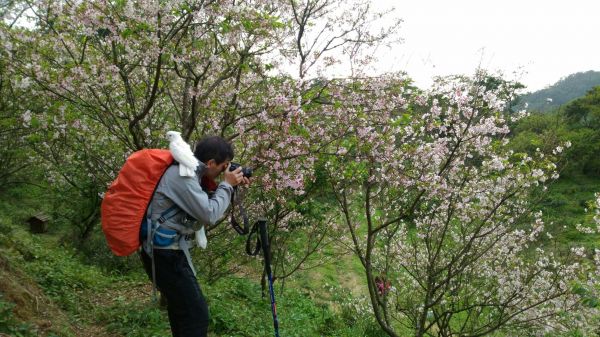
<point x="188" y="311"/>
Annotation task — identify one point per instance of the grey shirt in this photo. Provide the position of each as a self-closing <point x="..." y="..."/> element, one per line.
<point x="189" y="196"/>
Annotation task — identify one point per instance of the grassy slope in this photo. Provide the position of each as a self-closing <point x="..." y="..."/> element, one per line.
<point x="565" y="206"/>
<point x="57" y="293"/>
<point x="23" y="301"/>
<point x="21" y="292"/>
<point x="55" y="290"/>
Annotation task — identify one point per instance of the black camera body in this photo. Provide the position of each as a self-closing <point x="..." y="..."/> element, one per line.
<point x="246" y="171"/>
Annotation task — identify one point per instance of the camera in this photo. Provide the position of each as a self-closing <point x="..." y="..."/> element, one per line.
<point x="246" y="171"/>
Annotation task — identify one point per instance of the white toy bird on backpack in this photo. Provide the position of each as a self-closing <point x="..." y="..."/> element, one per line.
<point x="188" y="163"/>
<point x="183" y="154"/>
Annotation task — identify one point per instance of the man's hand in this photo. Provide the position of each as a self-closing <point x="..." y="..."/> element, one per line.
<point x="235" y="177"/>
<point x="245" y="181"/>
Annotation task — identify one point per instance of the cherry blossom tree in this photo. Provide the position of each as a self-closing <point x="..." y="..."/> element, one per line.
<point x="437" y="211"/>
<point x="111" y="78"/>
<point x="14" y="157"/>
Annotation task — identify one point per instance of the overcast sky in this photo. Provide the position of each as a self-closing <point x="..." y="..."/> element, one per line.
<point x="541" y="41"/>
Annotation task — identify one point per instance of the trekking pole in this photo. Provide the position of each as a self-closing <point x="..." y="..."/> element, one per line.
<point x="264" y="239"/>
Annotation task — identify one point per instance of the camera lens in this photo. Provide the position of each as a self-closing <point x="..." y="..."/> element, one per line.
<point x="246" y="171"/>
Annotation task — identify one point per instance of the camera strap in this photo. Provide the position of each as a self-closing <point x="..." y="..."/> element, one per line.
<point x="234" y="223"/>
<point x="253" y="233"/>
<point x="258" y="243"/>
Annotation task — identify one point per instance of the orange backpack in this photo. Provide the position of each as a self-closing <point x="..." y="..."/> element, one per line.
<point x="126" y="201"/>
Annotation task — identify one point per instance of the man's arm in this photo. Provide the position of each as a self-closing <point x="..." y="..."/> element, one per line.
<point x="189" y="196"/>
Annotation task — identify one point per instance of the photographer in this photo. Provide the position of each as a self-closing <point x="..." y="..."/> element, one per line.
<point x="174" y="273"/>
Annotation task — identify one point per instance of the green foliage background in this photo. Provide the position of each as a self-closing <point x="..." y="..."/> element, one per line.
<point x="567" y="199"/>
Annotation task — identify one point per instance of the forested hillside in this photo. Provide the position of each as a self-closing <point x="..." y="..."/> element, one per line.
<point x="559" y="93"/>
<point x="578" y="124"/>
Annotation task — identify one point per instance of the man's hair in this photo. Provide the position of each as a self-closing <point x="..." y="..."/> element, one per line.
<point x="213" y="147"/>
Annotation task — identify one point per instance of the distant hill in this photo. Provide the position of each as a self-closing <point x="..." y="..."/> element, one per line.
<point x="561" y="92"/>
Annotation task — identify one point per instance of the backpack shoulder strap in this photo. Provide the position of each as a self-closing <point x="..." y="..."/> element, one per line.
<point x="168" y="213"/>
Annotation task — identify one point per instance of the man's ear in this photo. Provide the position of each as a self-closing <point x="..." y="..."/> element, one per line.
<point x="211" y="163"/>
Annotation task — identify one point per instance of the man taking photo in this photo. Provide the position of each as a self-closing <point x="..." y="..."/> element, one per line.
<point x="189" y="208"/>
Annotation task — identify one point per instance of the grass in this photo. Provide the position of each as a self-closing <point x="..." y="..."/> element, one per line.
<point x="83" y="291"/>
<point x="50" y="288"/>
<point x="565" y="206"/>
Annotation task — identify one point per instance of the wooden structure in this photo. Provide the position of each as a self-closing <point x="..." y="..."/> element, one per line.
<point x="38" y="223"/>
